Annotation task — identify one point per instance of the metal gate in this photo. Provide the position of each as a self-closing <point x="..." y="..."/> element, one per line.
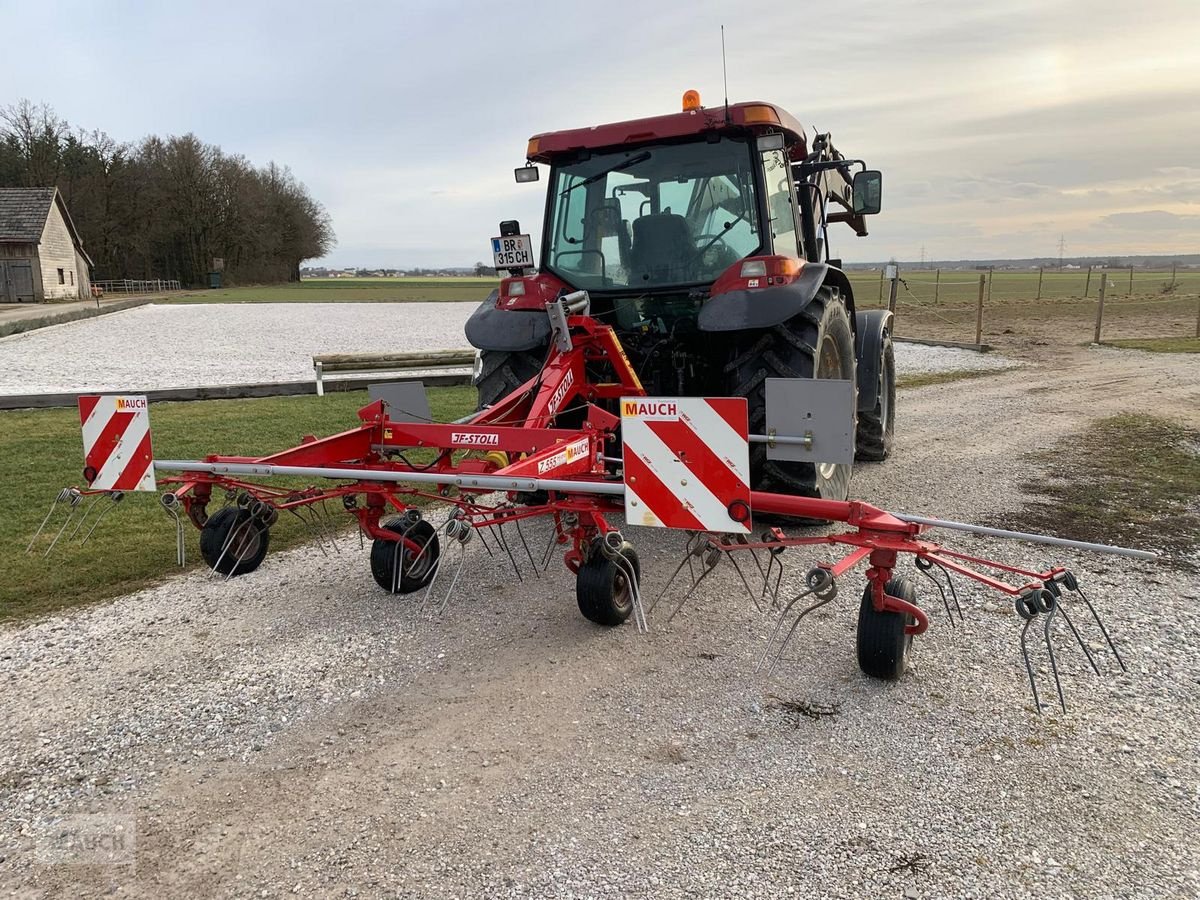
<point x="16" y="282"/>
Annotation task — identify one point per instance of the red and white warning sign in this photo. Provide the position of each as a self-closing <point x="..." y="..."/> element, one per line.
<point x="116" y="443"/>
<point x="687" y="462"/>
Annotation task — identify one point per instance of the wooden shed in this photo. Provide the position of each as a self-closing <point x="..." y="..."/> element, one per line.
<point x="41" y="255"/>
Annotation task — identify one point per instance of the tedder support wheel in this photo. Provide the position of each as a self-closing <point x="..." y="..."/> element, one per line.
<point x="817" y="342"/>
<point x="877" y="426"/>
<point x="602" y="587"/>
<point x="882" y="644"/>
<point x="502" y="373"/>
<point x="233" y="541"/>
<point x="401" y="568"/>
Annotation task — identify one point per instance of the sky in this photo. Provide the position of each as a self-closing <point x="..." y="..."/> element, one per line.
<point x="1000" y="127"/>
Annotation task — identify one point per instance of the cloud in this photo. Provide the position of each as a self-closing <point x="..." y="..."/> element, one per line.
<point x="1152" y="220"/>
<point x="406" y="119"/>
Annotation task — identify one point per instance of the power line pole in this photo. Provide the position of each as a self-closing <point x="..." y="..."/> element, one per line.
<point x="1062" y="245"/>
<point x="922" y="256"/>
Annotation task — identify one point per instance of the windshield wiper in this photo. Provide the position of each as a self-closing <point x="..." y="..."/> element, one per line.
<point x="624" y="164"/>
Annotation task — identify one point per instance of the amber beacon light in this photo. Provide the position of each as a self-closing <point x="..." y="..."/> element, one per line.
<point x="691" y="100"/>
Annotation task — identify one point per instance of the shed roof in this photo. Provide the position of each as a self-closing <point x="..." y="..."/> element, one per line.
<point x="23" y="213"/>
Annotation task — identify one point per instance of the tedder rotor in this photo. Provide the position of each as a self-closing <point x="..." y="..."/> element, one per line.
<point x="687" y="357"/>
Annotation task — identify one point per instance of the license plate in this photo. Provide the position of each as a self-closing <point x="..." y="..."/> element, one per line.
<point x="513" y="252"/>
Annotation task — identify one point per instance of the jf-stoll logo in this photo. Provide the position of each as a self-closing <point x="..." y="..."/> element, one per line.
<point x="474" y="439"/>
<point x="87" y="840"/>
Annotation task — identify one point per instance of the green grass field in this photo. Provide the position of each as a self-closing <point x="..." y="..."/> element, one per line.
<point x="40" y="453"/>
<point x="950" y="291"/>
<point x="1159" y="345"/>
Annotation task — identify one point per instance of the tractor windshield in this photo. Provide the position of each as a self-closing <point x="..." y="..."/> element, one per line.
<point x="653" y="217"/>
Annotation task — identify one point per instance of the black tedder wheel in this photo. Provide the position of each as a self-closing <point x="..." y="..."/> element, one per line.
<point x="602" y="588"/>
<point x="233" y="542"/>
<point x="400" y="569"/>
<point x="882" y="644"/>
<point x="877" y="426"/>
<point x="502" y="373"/>
<point x="816" y="342"/>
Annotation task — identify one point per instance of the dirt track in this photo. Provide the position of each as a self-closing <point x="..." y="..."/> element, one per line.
<point x="327" y="740"/>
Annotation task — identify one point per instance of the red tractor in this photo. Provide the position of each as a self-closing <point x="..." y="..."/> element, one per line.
<point x="701" y="237"/>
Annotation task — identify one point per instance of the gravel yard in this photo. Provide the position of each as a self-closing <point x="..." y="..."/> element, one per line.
<point x="243" y="343"/>
<point x="297" y="732"/>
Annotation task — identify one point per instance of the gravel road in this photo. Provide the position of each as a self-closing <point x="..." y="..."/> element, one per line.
<point x="244" y="343"/>
<point x="296" y="732"/>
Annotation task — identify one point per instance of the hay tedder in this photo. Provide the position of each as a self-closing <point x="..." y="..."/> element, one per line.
<point x="757" y="370"/>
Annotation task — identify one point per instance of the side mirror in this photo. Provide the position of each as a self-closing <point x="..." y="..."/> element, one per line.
<point x="526" y="174"/>
<point x="867" y="190"/>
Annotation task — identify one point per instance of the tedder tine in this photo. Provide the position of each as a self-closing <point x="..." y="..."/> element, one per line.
<point x="610" y="546"/>
<point x="1071" y="583"/>
<point x="694" y="547"/>
<point x="74" y="499"/>
<point x="741" y="575"/>
<point x="820" y="583"/>
<point x="312" y="532"/>
<point x="1050" y="651"/>
<point x="498" y="534"/>
<point x="711" y="558"/>
<point x="521" y="535"/>
<point x="87" y="511"/>
<point x="170" y="503"/>
<point x="117" y="497"/>
<point x="923" y="566"/>
<point x="63" y="495"/>
<point x="1029" y="604"/>
<point x="234" y="534"/>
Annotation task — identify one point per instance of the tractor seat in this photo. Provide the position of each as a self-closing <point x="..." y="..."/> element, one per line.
<point x="663" y="249"/>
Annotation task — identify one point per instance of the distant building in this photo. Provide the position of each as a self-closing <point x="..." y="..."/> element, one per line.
<point x="41" y="255"/>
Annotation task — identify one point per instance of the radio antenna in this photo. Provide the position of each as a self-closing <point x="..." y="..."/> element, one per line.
<point x="725" y="74"/>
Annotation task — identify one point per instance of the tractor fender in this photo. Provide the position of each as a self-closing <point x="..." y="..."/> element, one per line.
<point x="508" y="330"/>
<point x="872" y="326"/>
<point x="767" y="307"/>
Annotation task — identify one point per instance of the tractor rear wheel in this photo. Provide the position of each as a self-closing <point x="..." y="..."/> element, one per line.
<point x="818" y="342"/>
<point x="501" y="373"/>
<point x="233" y="542"/>
<point x="882" y="643"/>
<point x="877" y="426"/>
<point x="602" y="587"/>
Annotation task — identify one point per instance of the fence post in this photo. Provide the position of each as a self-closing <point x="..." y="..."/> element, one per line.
<point x="895" y="273"/>
<point x="1172" y="274"/>
<point x="1129" y="293"/>
<point x="1198" y="317"/>
<point x="1100" y="306"/>
<point x="1041" y="272"/>
<point x="937" y="286"/>
<point x="881" y="268"/>
<point x="979" y="311"/>
<point x="1087" y="287"/>
<point x="990" y="275"/>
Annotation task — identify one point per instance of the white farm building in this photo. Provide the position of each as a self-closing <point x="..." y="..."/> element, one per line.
<point x="41" y="255"/>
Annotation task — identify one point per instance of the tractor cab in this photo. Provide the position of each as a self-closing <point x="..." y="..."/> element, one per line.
<point x="664" y="207"/>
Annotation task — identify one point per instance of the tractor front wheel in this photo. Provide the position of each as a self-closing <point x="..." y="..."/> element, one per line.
<point x="500" y="373"/>
<point x="234" y="542"/>
<point x="883" y="645"/>
<point x="603" y="589"/>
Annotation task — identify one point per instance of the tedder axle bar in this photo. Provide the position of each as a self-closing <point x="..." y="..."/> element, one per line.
<point x="484" y="482"/>
<point x="1026" y="536"/>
